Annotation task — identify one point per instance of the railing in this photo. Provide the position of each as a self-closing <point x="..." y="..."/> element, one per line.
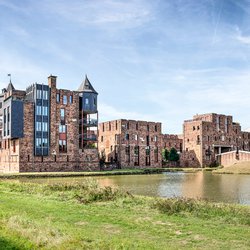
<point x="89" y="137"/>
<point x="89" y="122"/>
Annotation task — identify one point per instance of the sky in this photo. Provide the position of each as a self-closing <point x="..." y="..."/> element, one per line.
<point x="161" y="60"/>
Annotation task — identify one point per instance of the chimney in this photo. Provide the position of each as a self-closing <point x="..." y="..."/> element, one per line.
<point x="52" y="81"/>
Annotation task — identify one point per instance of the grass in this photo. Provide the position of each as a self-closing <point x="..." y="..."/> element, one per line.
<point x="95" y="173"/>
<point x="86" y="216"/>
<point x="237" y="168"/>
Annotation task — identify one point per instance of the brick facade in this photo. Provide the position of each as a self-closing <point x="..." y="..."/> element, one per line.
<point x="17" y="154"/>
<point x="130" y="143"/>
<point x="208" y="135"/>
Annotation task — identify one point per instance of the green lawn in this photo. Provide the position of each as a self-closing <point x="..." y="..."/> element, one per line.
<point x="35" y="216"/>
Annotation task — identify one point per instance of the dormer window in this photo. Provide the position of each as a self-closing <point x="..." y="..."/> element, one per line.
<point x="86" y="101"/>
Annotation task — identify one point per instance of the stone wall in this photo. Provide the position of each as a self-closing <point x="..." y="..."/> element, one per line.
<point x="120" y="140"/>
<point x="230" y="158"/>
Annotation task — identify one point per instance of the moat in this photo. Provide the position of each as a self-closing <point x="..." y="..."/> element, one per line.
<point x="204" y="185"/>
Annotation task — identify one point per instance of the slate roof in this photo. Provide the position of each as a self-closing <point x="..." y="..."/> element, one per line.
<point x="86" y="86"/>
<point x="10" y="87"/>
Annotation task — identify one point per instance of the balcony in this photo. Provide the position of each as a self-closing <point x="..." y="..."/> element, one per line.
<point x="87" y="137"/>
<point x="89" y="122"/>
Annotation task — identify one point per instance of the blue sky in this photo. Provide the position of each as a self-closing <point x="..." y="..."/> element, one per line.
<point x="161" y="60"/>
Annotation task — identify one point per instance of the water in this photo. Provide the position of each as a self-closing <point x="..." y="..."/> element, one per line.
<point x="205" y="185"/>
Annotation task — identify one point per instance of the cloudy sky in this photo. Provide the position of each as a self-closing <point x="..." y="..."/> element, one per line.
<point x="161" y="60"/>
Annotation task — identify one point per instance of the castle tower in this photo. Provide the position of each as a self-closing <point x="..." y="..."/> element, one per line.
<point x="88" y="115"/>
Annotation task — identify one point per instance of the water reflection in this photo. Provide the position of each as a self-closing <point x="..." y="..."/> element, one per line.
<point x="205" y="185"/>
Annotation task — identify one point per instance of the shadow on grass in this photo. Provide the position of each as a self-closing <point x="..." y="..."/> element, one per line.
<point x="6" y="244"/>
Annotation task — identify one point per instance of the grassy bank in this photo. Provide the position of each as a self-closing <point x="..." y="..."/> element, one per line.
<point x="96" y="173"/>
<point x="85" y="216"/>
<point x="237" y="168"/>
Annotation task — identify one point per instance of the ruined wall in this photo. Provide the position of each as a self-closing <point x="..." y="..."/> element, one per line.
<point x="131" y="143"/>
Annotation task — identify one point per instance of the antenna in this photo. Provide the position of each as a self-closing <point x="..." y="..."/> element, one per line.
<point x="9" y="75"/>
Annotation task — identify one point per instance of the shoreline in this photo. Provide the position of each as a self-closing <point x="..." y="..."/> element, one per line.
<point x="97" y="173"/>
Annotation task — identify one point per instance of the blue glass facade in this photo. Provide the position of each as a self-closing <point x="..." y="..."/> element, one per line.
<point x="41" y="95"/>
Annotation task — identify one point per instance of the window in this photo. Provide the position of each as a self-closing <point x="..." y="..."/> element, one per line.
<point x="193" y="127"/>
<point x="45" y="142"/>
<point x="38" y="142"/>
<point x="101" y="138"/>
<point x="65" y="99"/>
<point x="62" y="128"/>
<point x="45" y="111"/>
<point x="45" y="95"/>
<point x="155" y="138"/>
<point x="156" y="154"/>
<point x="62" y="114"/>
<point x="136" y="137"/>
<point x="155" y="128"/>
<point x="62" y="146"/>
<point x="127" y="136"/>
<point x="147" y="151"/>
<point x="127" y="150"/>
<point x="38" y="126"/>
<point x="147" y="127"/>
<point x="87" y="101"/>
<point x="136" y="150"/>
<point x="70" y="99"/>
<point x="103" y="129"/>
<point x="116" y="125"/>
<point x="14" y="146"/>
<point x="38" y="110"/>
<point x="45" y="126"/>
<point x="38" y="94"/>
<point x="95" y="101"/>
<point x="57" y="97"/>
<point x="136" y="126"/>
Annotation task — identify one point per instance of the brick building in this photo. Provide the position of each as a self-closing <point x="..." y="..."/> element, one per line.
<point x="130" y="143"/>
<point x="48" y="129"/>
<point x="206" y="136"/>
<point x="172" y="141"/>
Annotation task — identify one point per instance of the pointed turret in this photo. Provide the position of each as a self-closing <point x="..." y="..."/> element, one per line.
<point x="86" y="86"/>
<point x="10" y="87"/>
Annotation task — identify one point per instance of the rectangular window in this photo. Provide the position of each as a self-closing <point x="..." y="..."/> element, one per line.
<point x="62" y="114"/>
<point x="45" y="111"/>
<point x="45" y="95"/>
<point x="45" y="126"/>
<point x="45" y="142"/>
<point x="65" y="99"/>
<point x="38" y="110"/>
<point x="14" y="146"/>
<point x="58" y="98"/>
<point x="71" y="99"/>
<point x="136" y="137"/>
<point x="155" y="138"/>
<point x="38" y="94"/>
<point x="136" y="150"/>
<point x="127" y="136"/>
<point x="86" y="101"/>
<point x="38" y="126"/>
<point x="62" y="128"/>
<point x="127" y="150"/>
<point x="62" y="146"/>
<point x="38" y="142"/>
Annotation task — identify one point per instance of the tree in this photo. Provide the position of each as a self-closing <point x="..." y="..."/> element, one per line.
<point x="165" y="155"/>
<point x="173" y="155"/>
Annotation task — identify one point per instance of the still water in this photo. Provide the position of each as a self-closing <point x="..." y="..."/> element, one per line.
<point x="205" y="185"/>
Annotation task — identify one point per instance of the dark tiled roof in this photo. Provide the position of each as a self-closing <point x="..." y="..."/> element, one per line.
<point x="86" y="86"/>
<point x="10" y="87"/>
